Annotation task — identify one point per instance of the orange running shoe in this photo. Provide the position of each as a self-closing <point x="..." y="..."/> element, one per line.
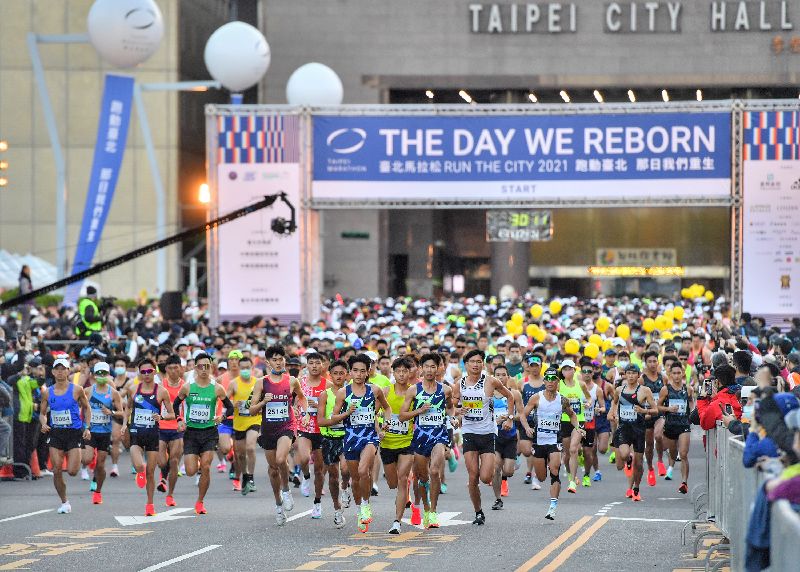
<point x="97" y="498"/>
<point x="149" y="510"/>
<point x="629" y="493"/>
<point x="170" y="501"/>
<point x="504" y="489"/>
<point x="651" y="477"/>
<point x="637" y="497"/>
<point x="237" y="485"/>
<point x="141" y="480"/>
<point x="416" y="515"/>
<point x="662" y="470"/>
<point x="199" y="508"/>
<point x="628" y="468"/>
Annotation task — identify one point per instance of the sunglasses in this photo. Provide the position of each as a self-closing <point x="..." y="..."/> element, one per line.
<point x="203" y="366"/>
<point x="147" y="371"/>
<point x="586" y="370"/>
<point x="101" y="373"/>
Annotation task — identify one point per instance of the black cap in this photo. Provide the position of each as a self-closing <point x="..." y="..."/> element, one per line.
<point x="293" y="361"/>
<point x="632" y="367"/>
<point x="639" y="342"/>
<point x="551" y="372"/>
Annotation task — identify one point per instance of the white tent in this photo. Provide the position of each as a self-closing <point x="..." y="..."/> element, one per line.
<point x="42" y="272"/>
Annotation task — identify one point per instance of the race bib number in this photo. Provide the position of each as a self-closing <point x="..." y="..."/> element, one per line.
<point x="431" y="418"/>
<point x="362" y="416"/>
<point x="199" y="413"/>
<point x="100" y="418"/>
<point x="473" y="409"/>
<point x="244" y="408"/>
<point x="396" y="426"/>
<point x="143" y="418"/>
<point x="276" y="411"/>
<point x="575" y="404"/>
<point x="588" y="414"/>
<point x="61" y="418"/>
<point x="626" y="412"/>
<point x="681" y="404"/>
<point x="548" y="424"/>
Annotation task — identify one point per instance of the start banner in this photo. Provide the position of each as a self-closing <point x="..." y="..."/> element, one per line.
<point x="513" y="157"/>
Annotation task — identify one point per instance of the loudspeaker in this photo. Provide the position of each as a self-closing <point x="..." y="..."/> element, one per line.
<point x="171" y="305"/>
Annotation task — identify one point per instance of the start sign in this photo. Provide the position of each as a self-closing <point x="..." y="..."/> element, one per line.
<point x="519" y="226"/>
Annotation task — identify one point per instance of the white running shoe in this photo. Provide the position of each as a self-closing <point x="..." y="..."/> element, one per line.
<point x="114" y="470"/>
<point x="305" y="487"/>
<point x="280" y="516"/>
<point x="84" y="474"/>
<point x="287" y="500"/>
<point x="535" y="485"/>
<point x="395" y="527"/>
<point x="316" y="512"/>
<point x="45" y="473"/>
<point x="551" y="513"/>
<point x="338" y="519"/>
<point x="345" y="497"/>
<point x="65" y="508"/>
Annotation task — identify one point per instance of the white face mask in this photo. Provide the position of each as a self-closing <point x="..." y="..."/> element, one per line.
<point x="623" y="364"/>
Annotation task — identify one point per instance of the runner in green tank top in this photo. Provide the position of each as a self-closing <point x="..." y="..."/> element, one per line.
<point x="576" y="392"/>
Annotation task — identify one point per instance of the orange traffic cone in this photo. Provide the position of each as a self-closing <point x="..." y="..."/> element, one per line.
<point x="6" y="473"/>
<point x="35" y="471"/>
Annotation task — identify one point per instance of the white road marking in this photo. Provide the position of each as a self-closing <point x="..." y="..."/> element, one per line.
<point x="298" y="515"/>
<point x="180" y="558"/>
<point x="671" y="498"/>
<point x="26" y="515"/>
<point x="159" y="517"/>
<point x="646" y="519"/>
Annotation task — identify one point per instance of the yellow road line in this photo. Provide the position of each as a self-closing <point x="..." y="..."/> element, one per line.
<point x="545" y="552"/>
<point x="583" y="539"/>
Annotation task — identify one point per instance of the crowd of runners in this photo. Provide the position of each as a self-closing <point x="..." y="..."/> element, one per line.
<point x="399" y="392"/>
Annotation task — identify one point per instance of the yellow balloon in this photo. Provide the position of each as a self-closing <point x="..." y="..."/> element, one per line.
<point x="686" y="293"/>
<point x="602" y="325"/>
<point x="536" y="311"/>
<point x="678" y="313"/>
<point x="667" y="335"/>
<point x="555" y="306"/>
<point x="493" y="301"/>
<point x="531" y="330"/>
<point x="572" y="347"/>
<point x="517" y="318"/>
<point x="709" y="295"/>
<point x="700" y="290"/>
<point x="661" y="323"/>
<point x="669" y="314"/>
<point x="649" y="325"/>
<point x="623" y="331"/>
<point x="607" y="345"/>
<point x="591" y="350"/>
<point x="596" y="340"/>
<point x="540" y="335"/>
<point x="510" y="326"/>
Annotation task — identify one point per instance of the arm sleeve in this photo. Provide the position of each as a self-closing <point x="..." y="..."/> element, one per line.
<point x="176" y="405"/>
<point x="228" y="406"/>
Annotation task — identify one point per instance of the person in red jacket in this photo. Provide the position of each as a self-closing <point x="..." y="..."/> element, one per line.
<point x="725" y="392"/>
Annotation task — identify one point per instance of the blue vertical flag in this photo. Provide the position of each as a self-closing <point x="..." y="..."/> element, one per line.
<point x="112" y="132"/>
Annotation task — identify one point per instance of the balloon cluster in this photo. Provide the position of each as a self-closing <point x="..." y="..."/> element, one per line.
<point x="696" y="291"/>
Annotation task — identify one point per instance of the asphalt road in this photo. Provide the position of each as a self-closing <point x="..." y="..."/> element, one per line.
<point x="596" y="529"/>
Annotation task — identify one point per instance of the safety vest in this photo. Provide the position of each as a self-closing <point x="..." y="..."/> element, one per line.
<point x="84" y="328"/>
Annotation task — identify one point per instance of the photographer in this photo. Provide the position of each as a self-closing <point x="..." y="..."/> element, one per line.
<point x="718" y="395"/>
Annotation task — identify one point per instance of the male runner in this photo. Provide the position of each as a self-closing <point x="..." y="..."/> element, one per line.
<point x="475" y="392"/>
<point x="594" y="406"/>
<point x="121" y="380"/>
<point x="675" y="401"/>
<point x="532" y="384"/>
<point x="225" y="429"/>
<point x="379" y="380"/>
<point x="146" y="401"/>
<point x="246" y="427"/>
<point x="396" y="452"/>
<point x="64" y="402"/>
<point x="274" y="397"/>
<point x="602" y="426"/>
<point x="105" y="403"/>
<point x="506" y="413"/>
<point x="654" y="424"/>
<point x="578" y="394"/>
<point x="170" y="440"/>
<point x="629" y="410"/>
<point x="333" y="442"/>
<point x="309" y="440"/>
<point x="201" y="436"/>
<point x="550" y="406"/>
<point x="358" y="404"/>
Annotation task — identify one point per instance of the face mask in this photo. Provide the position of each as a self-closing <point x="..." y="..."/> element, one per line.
<point x="337" y="345"/>
<point x="119" y="370"/>
<point x="101" y="379"/>
<point x="294" y="372"/>
<point x="515" y="359"/>
<point x="623" y="364"/>
<point x="9" y="355"/>
<point x="162" y="367"/>
<point x="244" y="373"/>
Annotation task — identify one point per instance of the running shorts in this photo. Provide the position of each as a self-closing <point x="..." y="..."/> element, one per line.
<point x="506" y="447"/>
<point x="65" y="439"/>
<point x="241" y="435"/>
<point x="269" y="441"/>
<point x="199" y="441"/>
<point x="332" y="449"/>
<point x="147" y="441"/>
<point x="168" y="435"/>
<point x="672" y="432"/>
<point x="544" y="451"/>
<point x="632" y="435"/>
<point x="566" y="429"/>
<point x="588" y="439"/>
<point x="315" y="438"/>
<point x="478" y="443"/>
<point x="355" y="454"/>
<point x="101" y="442"/>
<point x="390" y="456"/>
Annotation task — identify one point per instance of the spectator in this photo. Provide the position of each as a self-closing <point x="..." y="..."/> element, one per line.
<point x="711" y="407"/>
<point x="787" y="486"/>
<point x="793" y="363"/>
<point x="25" y="287"/>
<point x="6" y="410"/>
<point x="743" y="361"/>
<point x="24" y="383"/>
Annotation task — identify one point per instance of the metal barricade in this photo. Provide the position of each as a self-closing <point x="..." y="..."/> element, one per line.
<point x="740" y="493"/>
<point x="784" y="535"/>
<point x="711" y="473"/>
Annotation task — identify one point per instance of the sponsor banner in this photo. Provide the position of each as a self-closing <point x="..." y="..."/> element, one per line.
<point x="112" y="133"/>
<point x="528" y="156"/>
<point x="636" y="257"/>
<point x="259" y="271"/>
<point x="771" y="236"/>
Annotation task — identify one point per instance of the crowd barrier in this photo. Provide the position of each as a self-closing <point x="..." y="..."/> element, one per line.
<point x="727" y="502"/>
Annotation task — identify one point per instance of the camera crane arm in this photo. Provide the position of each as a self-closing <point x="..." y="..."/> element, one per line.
<point x="267" y="201"/>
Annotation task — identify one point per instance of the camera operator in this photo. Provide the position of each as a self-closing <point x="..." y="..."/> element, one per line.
<point x="90" y="318"/>
<point x="718" y="396"/>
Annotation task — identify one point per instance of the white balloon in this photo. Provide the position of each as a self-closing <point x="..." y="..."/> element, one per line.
<point x="237" y="55"/>
<point x="314" y="84"/>
<point x="125" y="33"/>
